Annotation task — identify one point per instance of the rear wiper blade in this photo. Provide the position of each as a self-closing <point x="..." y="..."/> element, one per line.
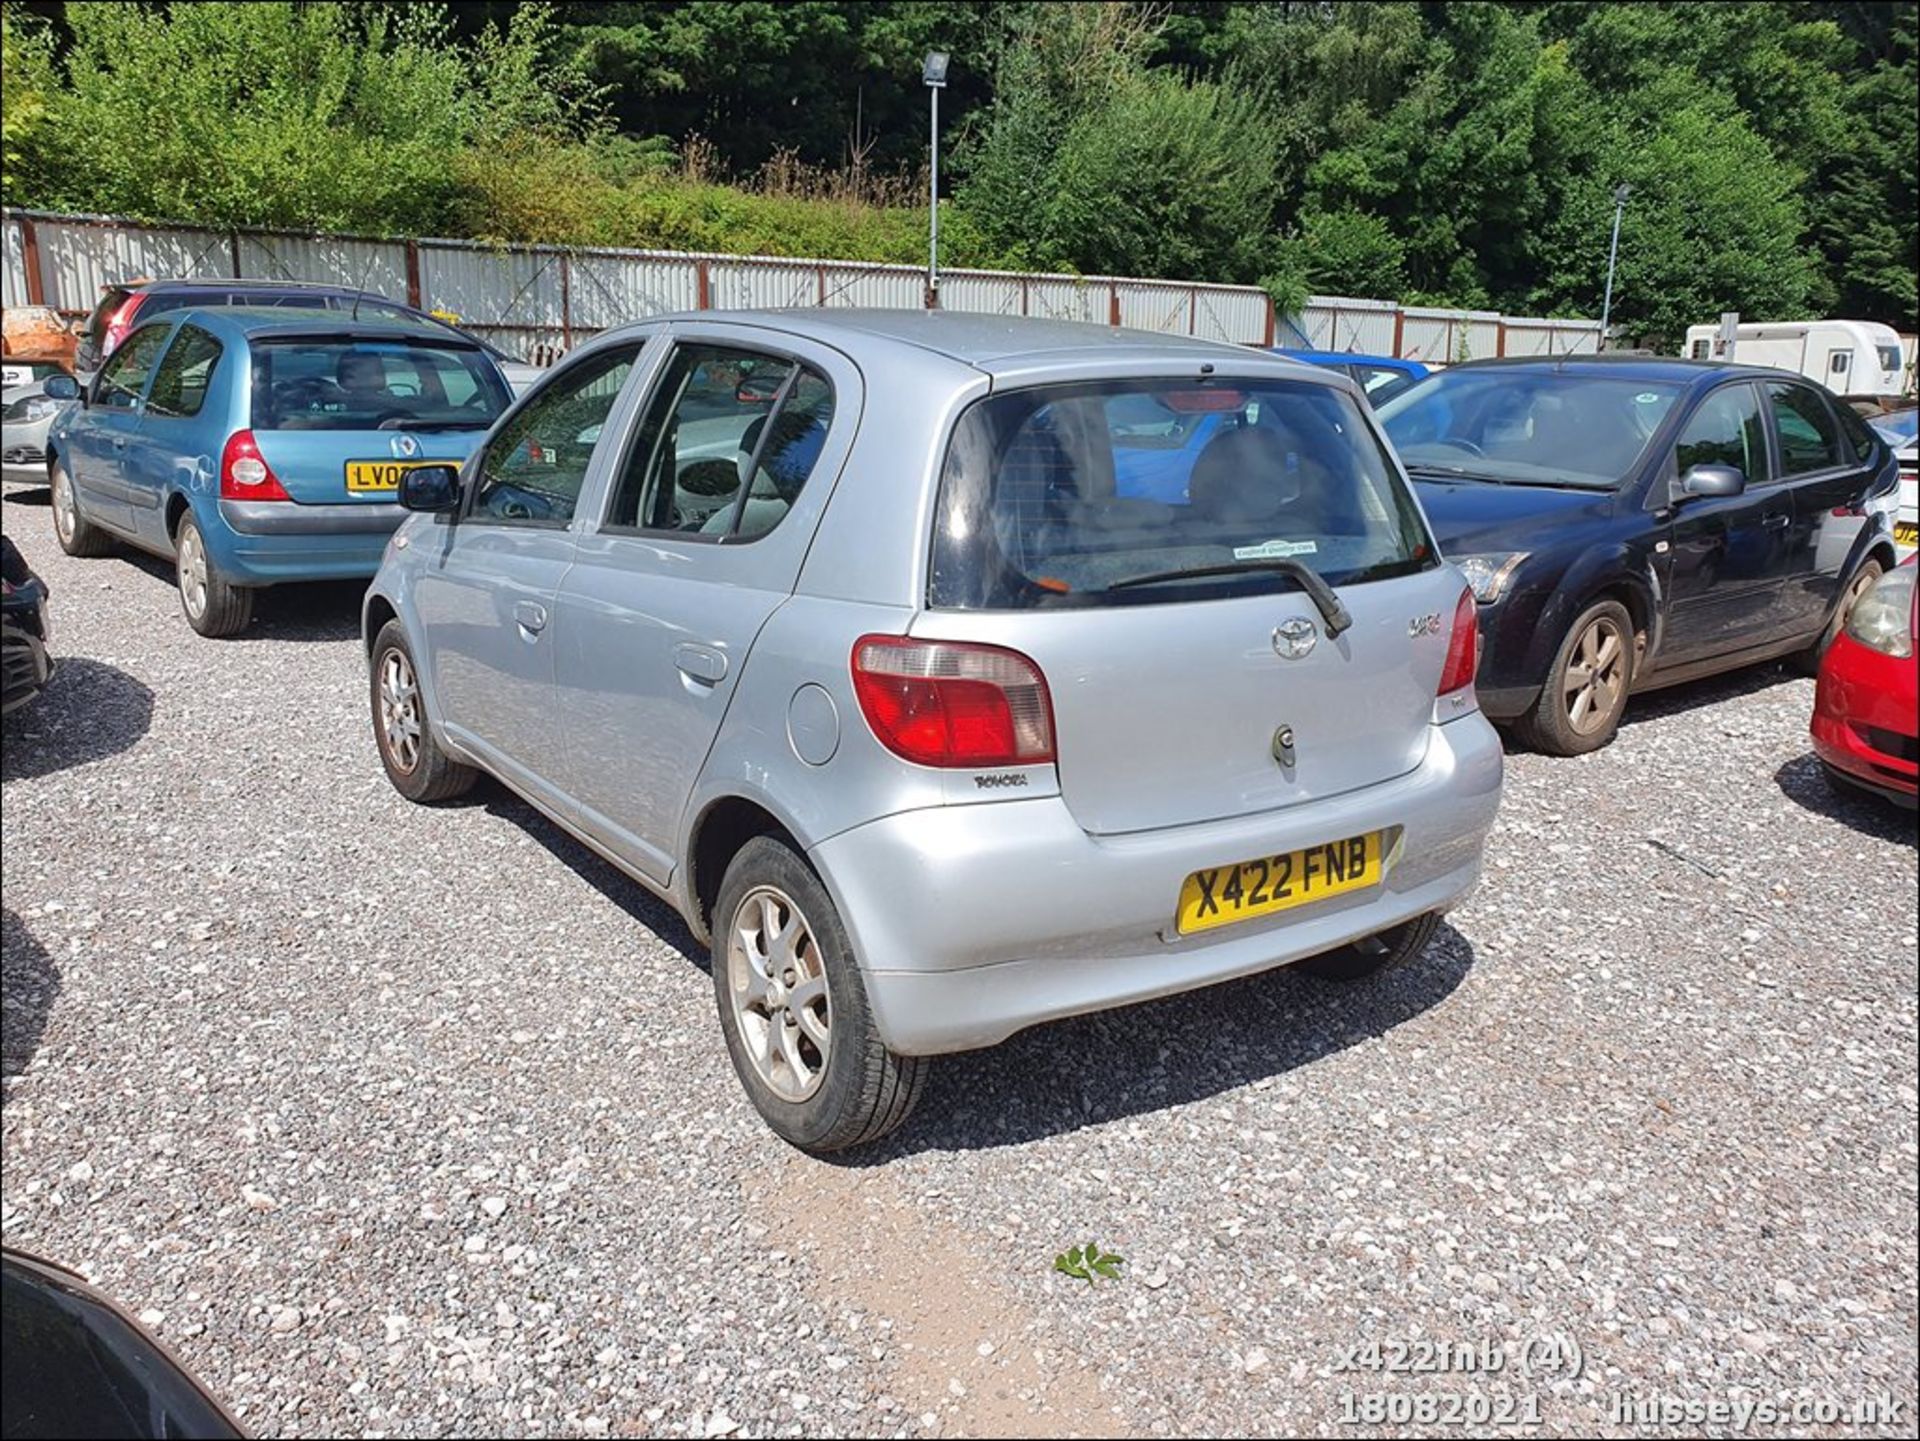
<point x="1318" y="591"/>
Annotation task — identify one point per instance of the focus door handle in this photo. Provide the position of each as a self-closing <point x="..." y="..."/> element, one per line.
<point x="702" y="662"/>
<point x="530" y="614"/>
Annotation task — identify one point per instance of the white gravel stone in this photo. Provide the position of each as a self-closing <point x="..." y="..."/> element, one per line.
<point x="384" y="1017"/>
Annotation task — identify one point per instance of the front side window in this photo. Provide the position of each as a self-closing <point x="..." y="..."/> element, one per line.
<point x="1528" y="427"/>
<point x="533" y="470"/>
<point x="1725" y="430"/>
<point x="728" y="441"/>
<point x="1889" y="357"/>
<point x="1809" y="437"/>
<point x="1126" y="492"/>
<point x="373" y="383"/>
<point x="124" y="377"/>
<point x="180" y="384"/>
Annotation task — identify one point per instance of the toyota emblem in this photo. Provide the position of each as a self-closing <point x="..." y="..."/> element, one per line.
<point x="1294" y="637"/>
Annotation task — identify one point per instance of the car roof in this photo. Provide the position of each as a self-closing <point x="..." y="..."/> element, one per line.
<point x="1674" y="370"/>
<point x="229" y="282"/>
<point x="985" y="342"/>
<point x="264" y="321"/>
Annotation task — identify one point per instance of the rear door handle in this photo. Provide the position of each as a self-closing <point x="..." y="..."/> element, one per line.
<point x="702" y="662"/>
<point x="531" y="615"/>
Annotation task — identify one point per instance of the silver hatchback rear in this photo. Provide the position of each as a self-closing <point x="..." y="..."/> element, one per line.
<point x="1043" y="668"/>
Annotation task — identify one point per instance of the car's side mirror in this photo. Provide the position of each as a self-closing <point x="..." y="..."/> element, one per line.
<point x="61" y="387"/>
<point x="1713" y="481"/>
<point x="430" y="488"/>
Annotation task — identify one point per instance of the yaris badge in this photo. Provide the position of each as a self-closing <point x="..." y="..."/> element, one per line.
<point x="1294" y="637"/>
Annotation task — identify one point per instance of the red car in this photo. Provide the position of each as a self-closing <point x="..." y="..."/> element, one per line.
<point x="1866" y="716"/>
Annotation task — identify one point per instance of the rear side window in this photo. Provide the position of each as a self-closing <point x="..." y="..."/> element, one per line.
<point x="180" y="385"/>
<point x="1866" y="443"/>
<point x="729" y="439"/>
<point x="1809" y="437"/>
<point x="1067" y="496"/>
<point x="364" y="383"/>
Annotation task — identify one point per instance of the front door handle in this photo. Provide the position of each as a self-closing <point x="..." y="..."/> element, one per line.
<point x="1776" y="522"/>
<point x="702" y="662"/>
<point x="531" y="615"/>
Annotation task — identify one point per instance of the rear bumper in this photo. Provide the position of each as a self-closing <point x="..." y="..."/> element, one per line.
<point x="266" y="542"/>
<point x="974" y="922"/>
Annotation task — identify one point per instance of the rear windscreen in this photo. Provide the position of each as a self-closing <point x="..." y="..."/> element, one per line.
<point x="369" y="384"/>
<point x="1074" y="495"/>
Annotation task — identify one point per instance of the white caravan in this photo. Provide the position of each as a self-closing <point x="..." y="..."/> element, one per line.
<point x="1849" y="357"/>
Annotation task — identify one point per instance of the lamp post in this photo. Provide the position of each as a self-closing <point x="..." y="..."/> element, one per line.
<point x="1620" y="193"/>
<point x="934" y="73"/>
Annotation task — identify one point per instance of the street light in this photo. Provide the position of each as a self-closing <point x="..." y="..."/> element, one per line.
<point x="1620" y="194"/>
<point x="934" y="73"/>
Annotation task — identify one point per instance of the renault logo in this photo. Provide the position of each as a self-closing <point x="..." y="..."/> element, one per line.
<point x="405" y="447"/>
<point x="1294" y="637"/>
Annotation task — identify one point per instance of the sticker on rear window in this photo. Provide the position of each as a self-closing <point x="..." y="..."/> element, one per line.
<point x="1276" y="549"/>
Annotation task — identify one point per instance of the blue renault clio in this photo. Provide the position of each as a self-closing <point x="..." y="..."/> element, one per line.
<point x="255" y="447"/>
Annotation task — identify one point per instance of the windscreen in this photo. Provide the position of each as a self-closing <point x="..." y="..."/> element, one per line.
<point x="1078" y="495"/>
<point x="1525" y="427"/>
<point x="362" y="383"/>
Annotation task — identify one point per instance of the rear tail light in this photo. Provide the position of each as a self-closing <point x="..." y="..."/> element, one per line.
<point x="1463" y="647"/>
<point x="121" y="323"/>
<point x="244" y="472"/>
<point x="944" y="703"/>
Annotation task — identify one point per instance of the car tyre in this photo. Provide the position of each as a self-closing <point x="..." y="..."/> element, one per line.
<point x="794" y="1010"/>
<point x="213" y="607"/>
<point x="1374" y="954"/>
<point x="77" y="535"/>
<point x="1587" y="686"/>
<point x="1808" y="660"/>
<point x="413" y="760"/>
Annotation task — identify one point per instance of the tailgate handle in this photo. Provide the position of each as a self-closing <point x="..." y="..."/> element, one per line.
<point x="530" y="614"/>
<point x="702" y="662"/>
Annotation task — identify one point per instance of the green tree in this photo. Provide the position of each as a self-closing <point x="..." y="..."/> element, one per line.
<point x="26" y="81"/>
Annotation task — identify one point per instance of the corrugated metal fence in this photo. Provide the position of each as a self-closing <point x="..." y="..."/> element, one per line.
<point x="539" y="301"/>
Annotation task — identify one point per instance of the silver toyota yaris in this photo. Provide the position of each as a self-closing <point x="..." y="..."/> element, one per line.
<point x="948" y="673"/>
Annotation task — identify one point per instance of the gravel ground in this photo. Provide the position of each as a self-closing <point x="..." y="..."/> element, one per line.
<point x="396" y="1121"/>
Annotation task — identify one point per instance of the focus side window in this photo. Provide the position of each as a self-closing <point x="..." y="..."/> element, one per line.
<point x="1725" y="430"/>
<point x="124" y="377"/>
<point x="180" y="385"/>
<point x="1809" y="437"/>
<point x="535" y="465"/>
<point x="729" y="440"/>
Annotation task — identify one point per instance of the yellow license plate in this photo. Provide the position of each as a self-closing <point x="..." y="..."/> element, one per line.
<point x="365" y="475"/>
<point x="1231" y="893"/>
<point x="1906" y="532"/>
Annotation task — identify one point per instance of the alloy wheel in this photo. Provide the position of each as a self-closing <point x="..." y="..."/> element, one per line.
<point x="778" y="985"/>
<point x="63" y="514"/>
<point x="1596" y="680"/>
<point x="193" y="571"/>
<point x="399" y="711"/>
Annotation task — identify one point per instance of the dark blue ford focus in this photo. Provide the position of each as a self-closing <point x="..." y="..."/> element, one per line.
<point x="1631" y="523"/>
